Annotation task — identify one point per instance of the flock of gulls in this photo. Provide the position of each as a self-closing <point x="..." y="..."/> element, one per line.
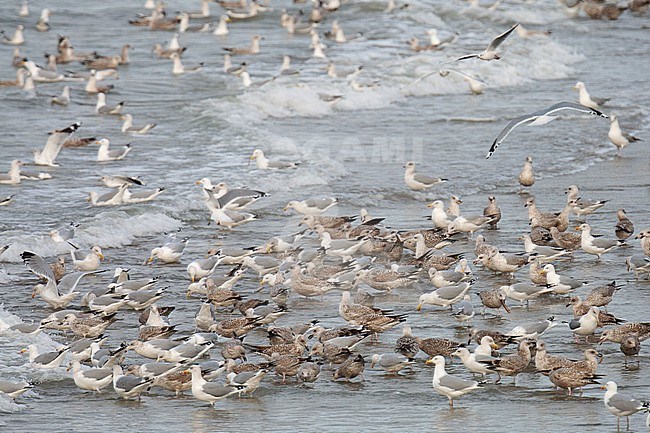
<point x="356" y="260"/>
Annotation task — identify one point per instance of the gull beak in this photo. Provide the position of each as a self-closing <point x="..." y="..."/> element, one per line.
<point x="577" y="228"/>
<point x="21" y="351"/>
<point x="198" y="182"/>
<point x="34" y="294"/>
<point x="261" y="282"/>
<point x="149" y="260"/>
<point x="503" y="302"/>
<point x="187" y="296"/>
<point x="286" y="208"/>
<point x="603" y="387"/>
<point x="192" y="278"/>
<point x="419" y="307"/>
<point x="429" y="361"/>
<point x="268" y="249"/>
<point x="542" y="272"/>
<point x="101" y="256"/>
<point x="494" y="346"/>
<point x="430" y="205"/>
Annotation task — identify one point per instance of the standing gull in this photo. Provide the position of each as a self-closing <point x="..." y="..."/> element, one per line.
<point x="592" y="245"/>
<point x="450" y="386"/>
<point x="526" y="177"/>
<point x="621" y="405"/>
<point x="617" y="136"/>
<point x="624" y="227"/>
<point x="540" y="117"/>
<point x="419" y="182"/>
<point x="490" y="52"/>
<point x="586" y="99"/>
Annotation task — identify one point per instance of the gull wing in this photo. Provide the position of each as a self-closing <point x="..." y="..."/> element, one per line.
<point x="57" y="138"/>
<point x="499" y="39"/>
<point x="37" y="265"/>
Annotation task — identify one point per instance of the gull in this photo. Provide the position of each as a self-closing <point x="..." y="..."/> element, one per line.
<point x="312" y="206"/>
<point x="45" y="360"/>
<point x="593" y="245"/>
<point x="41" y="75"/>
<point x="228" y="67"/>
<point x="524" y="292"/>
<point x="582" y="206"/>
<point x="490" y="52"/>
<point x="63" y="234"/>
<point x="17" y="39"/>
<point x="540" y="117"/>
<point x="103" y="109"/>
<point x="128" y="127"/>
<point x="169" y="252"/>
<point x="391" y="362"/>
<point x="493" y="211"/>
<point x="474" y="362"/>
<point x="4" y="201"/>
<point x="454" y="205"/>
<point x="104" y="154"/>
<point x="350" y="368"/>
<point x="438" y="215"/>
<point x="631" y="346"/>
<point x="208" y="391"/>
<point x="113" y="198"/>
<point x="585" y="325"/>
<point x="407" y="344"/>
<point x="468" y="224"/>
<point x="18" y="82"/>
<point x="493" y="299"/>
<point x="165" y="53"/>
<point x="446" y="278"/>
<point x="93" y="87"/>
<point x="533" y="329"/>
<point x="476" y="85"/>
<point x="264" y="163"/>
<point x="13" y="176"/>
<point x="184" y="25"/>
<point x="55" y="142"/>
<point x="544" y="253"/>
<point x="254" y="47"/>
<point x="616" y="335"/>
<point x="129" y="386"/>
<point x="624" y="227"/>
<point x="24" y="9"/>
<point x="333" y="73"/>
<point x="621" y="405"/>
<point x="526" y="177"/>
<point x="63" y="99"/>
<point x="514" y="364"/>
<point x="639" y="264"/>
<point x="586" y="99"/>
<point x="343" y="248"/>
<point x="245" y="382"/>
<point x="228" y="218"/>
<point x="559" y="284"/>
<point x="619" y="138"/>
<point x="116" y="181"/>
<point x="93" y="379"/>
<point x="14" y="389"/>
<point x="450" y="386"/>
<point x="178" y="67"/>
<point x="444" y="296"/>
<point x="645" y="241"/>
<point x="464" y="310"/>
<point x="203" y="267"/>
<point x="86" y="260"/>
<point x="222" y="28"/>
<point x="419" y="182"/>
<point x="234" y="199"/>
<point x="43" y="24"/>
<point x="141" y="196"/>
<point x="285" y="68"/>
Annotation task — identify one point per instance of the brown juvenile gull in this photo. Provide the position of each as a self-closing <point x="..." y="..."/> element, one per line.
<point x="624" y="227"/>
<point x="514" y="364"/>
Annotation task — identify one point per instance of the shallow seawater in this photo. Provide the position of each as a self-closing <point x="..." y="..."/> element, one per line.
<point x="208" y="125"/>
